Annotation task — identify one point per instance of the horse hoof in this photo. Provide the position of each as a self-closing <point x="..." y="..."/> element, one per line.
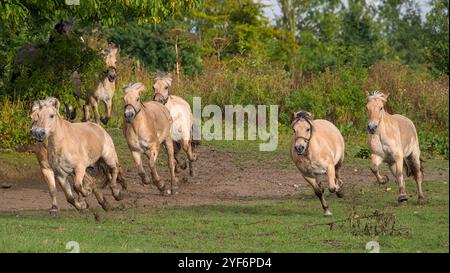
<point x="118" y="196"/>
<point x="175" y="190"/>
<point x="166" y="192"/>
<point x="104" y="120"/>
<point x="385" y="180"/>
<point x="105" y="206"/>
<point x="340" y="193"/>
<point x="402" y="200"/>
<point x="183" y="166"/>
<point x="327" y="213"/>
<point x="421" y="201"/>
<point x="54" y="211"/>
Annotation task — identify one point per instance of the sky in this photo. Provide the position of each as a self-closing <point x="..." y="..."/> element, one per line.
<point x="273" y="10"/>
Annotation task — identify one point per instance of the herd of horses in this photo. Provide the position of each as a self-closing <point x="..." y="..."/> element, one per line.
<point x="72" y="153"/>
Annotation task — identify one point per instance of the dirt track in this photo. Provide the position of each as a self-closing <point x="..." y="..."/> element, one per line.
<point x="219" y="178"/>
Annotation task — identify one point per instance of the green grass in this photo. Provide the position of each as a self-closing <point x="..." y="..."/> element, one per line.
<point x="251" y="226"/>
<point x="259" y="225"/>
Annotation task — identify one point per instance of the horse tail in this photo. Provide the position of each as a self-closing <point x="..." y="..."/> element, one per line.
<point x="407" y="167"/>
<point x="411" y="168"/>
<point x="104" y="170"/>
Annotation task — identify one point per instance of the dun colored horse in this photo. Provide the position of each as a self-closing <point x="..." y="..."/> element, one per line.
<point x="182" y="119"/>
<point x="393" y="139"/>
<point x="70" y="149"/>
<point x="318" y="148"/>
<point x="102" y="91"/>
<point x="148" y="125"/>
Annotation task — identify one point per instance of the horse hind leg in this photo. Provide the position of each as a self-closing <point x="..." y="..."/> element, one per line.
<point x="416" y="167"/>
<point x="178" y="160"/>
<point x="187" y="148"/>
<point x="111" y="170"/>
<point x="171" y="160"/>
<point x="101" y="199"/>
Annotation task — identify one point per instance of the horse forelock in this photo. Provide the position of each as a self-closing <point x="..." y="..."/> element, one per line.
<point x="377" y="95"/>
<point x="163" y="76"/>
<point x="302" y="115"/>
<point x="133" y="86"/>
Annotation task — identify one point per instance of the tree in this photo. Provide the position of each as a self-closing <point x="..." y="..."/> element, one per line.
<point x="240" y="23"/>
<point x="437" y="36"/>
<point x="151" y="45"/>
<point x="403" y="29"/>
<point x="360" y="34"/>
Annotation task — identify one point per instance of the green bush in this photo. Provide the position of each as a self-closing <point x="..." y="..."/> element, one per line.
<point x="14" y="123"/>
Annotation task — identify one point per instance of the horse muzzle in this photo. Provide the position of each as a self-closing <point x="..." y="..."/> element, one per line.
<point x="129" y="115"/>
<point x="38" y="134"/>
<point x="300" y="149"/>
<point x="372" y="127"/>
<point x="159" y="98"/>
<point x="111" y="76"/>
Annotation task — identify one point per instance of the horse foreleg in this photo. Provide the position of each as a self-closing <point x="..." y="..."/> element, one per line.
<point x="170" y="159"/>
<point x="337" y="168"/>
<point x="65" y="185"/>
<point x="141" y="171"/>
<point x="152" y="155"/>
<point x="49" y="177"/>
<point x="108" y="108"/>
<point x="86" y="114"/>
<point x="375" y="162"/>
<point x="94" y="104"/>
<point x="331" y="174"/>
<point x="397" y="171"/>
<point x="319" y="193"/>
<point x="80" y="171"/>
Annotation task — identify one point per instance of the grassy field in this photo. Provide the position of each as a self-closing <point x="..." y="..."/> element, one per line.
<point x="288" y="224"/>
<point x="256" y="226"/>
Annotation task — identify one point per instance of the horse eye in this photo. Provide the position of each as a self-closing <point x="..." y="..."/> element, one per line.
<point x="381" y="108"/>
<point x="137" y="99"/>
<point x="307" y="130"/>
<point x="52" y="116"/>
<point x="166" y="87"/>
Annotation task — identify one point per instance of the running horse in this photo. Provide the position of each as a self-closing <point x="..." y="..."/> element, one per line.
<point x="393" y="139"/>
<point x="317" y="148"/>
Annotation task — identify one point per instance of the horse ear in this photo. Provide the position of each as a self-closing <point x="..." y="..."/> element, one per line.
<point x="36" y="105"/>
<point x="54" y="102"/>
<point x="140" y="87"/>
<point x="294" y="114"/>
<point x="310" y="114"/>
<point x="386" y="95"/>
